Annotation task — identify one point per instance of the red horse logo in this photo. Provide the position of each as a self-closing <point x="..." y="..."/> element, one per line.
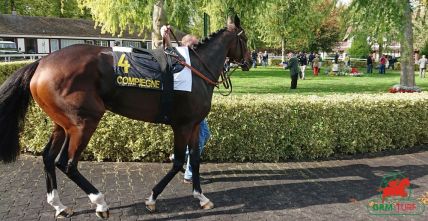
<point x="396" y="187"/>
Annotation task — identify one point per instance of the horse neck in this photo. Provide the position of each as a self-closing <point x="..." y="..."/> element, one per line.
<point x="213" y="54"/>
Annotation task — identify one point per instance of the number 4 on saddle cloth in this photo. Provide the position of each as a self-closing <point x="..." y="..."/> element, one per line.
<point x="152" y="69"/>
<point x="155" y="70"/>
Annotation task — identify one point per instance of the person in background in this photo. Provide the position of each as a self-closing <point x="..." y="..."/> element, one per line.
<point x="315" y="64"/>
<point x="347" y="61"/>
<point x="369" y="64"/>
<point x="422" y="66"/>
<point x="392" y="61"/>
<point x="254" y="58"/>
<point x="265" y="59"/>
<point x="303" y="61"/>
<point x="382" y="63"/>
<point x="293" y="65"/>
<point x="311" y="59"/>
<point x="336" y="58"/>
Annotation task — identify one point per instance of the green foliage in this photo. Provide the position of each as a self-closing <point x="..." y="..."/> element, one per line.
<point x="424" y="49"/>
<point x="267" y="128"/>
<point x="327" y="27"/>
<point x="275" y="62"/>
<point x="360" y="48"/>
<point x="6" y="69"/>
<point x="54" y="8"/>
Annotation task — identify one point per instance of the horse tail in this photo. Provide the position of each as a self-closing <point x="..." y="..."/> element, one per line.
<point x="14" y="100"/>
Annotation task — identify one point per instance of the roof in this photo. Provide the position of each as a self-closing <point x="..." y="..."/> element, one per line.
<point x="51" y="26"/>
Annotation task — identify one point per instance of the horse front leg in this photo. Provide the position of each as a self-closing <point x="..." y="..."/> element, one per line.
<point x="195" y="147"/>
<point x="181" y="138"/>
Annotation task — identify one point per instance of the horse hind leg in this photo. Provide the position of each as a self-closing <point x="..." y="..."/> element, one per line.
<point x="50" y="152"/>
<point x="77" y="139"/>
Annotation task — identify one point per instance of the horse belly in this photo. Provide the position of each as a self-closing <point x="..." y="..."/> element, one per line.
<point x="136" y="104"/>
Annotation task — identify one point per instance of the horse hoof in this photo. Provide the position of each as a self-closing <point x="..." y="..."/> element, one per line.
<point x="151" y="208"/>
<point x="208" y="205"/>
<point x="67" y="213"/>
<point x="103" y="215"/>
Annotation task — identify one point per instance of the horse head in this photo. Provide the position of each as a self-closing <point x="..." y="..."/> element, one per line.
<point x="238" y="51"/>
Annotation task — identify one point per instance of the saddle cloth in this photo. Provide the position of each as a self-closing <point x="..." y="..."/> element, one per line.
<point x="145" y="69"/>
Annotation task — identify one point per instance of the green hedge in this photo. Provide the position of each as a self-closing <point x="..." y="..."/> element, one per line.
<point x="266" y="128"/>
<point x="7" y="68"/>
<point x="275" y="62"/>
<point x="260" y="128"/>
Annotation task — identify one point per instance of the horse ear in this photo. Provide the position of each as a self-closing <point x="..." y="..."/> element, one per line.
<point x="237" y="21"/>
<point x="234" y="20"/>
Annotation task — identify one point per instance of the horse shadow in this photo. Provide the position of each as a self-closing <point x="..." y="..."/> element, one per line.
<point x="305" y="187"/>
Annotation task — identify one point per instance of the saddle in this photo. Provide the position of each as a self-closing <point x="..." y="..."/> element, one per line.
<point x="149" y="69"/>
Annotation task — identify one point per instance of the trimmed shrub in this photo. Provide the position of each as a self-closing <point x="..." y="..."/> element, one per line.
<point x="7" y="68"/>
<point x="274" y="62"/>
<point x="267" y="128"/>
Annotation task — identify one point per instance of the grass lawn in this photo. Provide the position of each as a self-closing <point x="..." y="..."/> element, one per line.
<point x="275" y="80"/>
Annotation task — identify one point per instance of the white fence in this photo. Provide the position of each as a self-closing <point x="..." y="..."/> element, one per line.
<point x="12" y="57"/>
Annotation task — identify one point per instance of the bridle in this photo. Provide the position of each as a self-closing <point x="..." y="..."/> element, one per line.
<point x="225" y="74"/>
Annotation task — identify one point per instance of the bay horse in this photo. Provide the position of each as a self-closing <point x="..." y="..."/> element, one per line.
<point x="75" y="86"/>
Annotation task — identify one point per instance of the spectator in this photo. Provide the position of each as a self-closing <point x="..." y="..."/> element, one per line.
<point x="260" y="56"/>
<point x="265" y="59"/>
<point x="336" y="58"/>
<point x="293" y="65"/>
<point x="303" y="61"/>
<point x="422" y="66"/>
<point x="254" y="58"/>
<point x="369" y="64"/>
<point x="311" y="59"/>
<point x="347" y="61"/>
<point x="315" y="65"/>
<point x="392" y="62"/>
<point x="382" y="63"/>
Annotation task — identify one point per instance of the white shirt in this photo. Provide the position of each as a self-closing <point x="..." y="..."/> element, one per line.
<point x="422" y="62"/>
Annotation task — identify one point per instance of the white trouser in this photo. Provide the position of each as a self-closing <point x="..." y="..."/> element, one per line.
<point x="302" y="68"/>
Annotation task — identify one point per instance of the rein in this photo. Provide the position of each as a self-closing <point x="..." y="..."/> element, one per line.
<point x="224" y="75"/>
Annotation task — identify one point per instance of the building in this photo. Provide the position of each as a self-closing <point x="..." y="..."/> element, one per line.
<point x="42" y="35"/>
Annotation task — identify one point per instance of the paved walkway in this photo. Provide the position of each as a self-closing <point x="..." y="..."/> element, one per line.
<point x="327" y="190"/>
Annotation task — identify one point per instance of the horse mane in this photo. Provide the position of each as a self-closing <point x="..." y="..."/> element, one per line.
<point x="205" y="40"/>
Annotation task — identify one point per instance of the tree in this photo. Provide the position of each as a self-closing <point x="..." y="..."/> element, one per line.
<point x="360" y="48"/>
<point x="395" y="18"/>
<point x="136" y="15"/>
<point x="327" y="32"/>
<point x="54" y="8"/>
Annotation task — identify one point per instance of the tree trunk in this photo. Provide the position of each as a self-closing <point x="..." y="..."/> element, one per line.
<point x="380" y="49"/>
<point x="159" y="19"/>
<point x="407" y="60"/>
<point x="283" y="49"/>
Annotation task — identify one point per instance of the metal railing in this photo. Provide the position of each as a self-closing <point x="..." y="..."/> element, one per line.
<point x="9" y="57"/>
